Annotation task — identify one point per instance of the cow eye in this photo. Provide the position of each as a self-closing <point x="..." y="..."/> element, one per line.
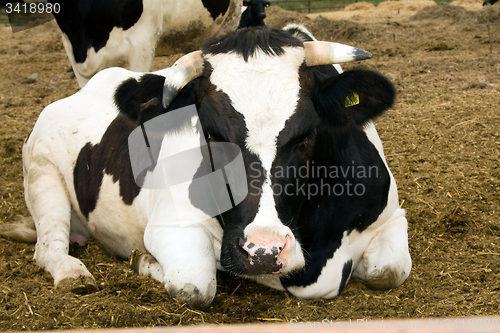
<point x="304" y="144"/>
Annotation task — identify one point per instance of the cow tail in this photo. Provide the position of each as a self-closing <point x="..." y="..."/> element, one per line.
<point x="22" y="230"/>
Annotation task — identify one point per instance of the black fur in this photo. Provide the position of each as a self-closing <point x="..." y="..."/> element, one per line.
<point x="246" y="42"/>
<point x="255" y="13"/>
<point x="88" y="23"/>
<point x="216" y="7"/>
<point x="376" y="94"/>
<point x="346" y="273"/>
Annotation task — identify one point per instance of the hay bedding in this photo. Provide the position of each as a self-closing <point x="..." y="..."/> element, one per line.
<point x="442" y="142"/>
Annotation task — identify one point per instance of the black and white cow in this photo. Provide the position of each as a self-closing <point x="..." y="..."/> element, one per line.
<point x="253" y="13"/>
<point x="319" y="203"/>
<point x="99" y="34"/>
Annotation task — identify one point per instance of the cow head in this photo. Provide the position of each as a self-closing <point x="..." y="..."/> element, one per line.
<point x="262" y="90"/>
<point x="257" y="8"/>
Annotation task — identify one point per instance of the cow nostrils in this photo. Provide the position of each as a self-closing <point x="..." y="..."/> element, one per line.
<point x="267" y="253"/>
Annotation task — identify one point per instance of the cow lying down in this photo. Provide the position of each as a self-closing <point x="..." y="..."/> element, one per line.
<point x="311" y="199"/>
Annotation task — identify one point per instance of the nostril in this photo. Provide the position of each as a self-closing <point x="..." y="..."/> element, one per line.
<point x="240" y="246"/>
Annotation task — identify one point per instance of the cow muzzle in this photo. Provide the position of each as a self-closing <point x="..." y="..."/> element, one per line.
<point x="267" y="253"/>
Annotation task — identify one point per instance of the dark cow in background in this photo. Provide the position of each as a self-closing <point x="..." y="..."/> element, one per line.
<point x="98" y="34"/>
<point x="491" y="2"/>
<point x="320" y="203"/>
<point x="253" y="13"/>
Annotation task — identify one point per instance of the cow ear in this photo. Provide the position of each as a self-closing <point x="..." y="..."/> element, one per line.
<point x="355" y="96"/>
<point x="140" y="100"/>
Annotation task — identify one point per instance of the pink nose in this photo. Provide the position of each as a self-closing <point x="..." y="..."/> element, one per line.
<point x="268" y="252"/>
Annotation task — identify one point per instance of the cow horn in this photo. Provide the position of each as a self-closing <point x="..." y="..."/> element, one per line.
<point x="187" y="68"/>
<point x="327" y="53"/>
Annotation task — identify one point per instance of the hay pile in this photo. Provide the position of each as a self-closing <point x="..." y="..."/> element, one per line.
<point x="367" y="12"/>
<point x="458" y="14"/>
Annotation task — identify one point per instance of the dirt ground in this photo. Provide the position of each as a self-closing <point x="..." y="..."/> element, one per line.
<point x="441" y="140"/>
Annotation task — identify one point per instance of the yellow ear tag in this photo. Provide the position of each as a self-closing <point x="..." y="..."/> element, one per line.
<point x="351" y="99"/>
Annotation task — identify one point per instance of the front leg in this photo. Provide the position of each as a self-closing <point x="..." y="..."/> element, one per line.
<point x="188" y="261"/>
<point x="386" y="262"/>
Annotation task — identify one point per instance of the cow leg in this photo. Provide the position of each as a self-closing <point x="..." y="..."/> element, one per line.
<point x="386" y="262"/>
<point x="141" y="58"/>
<point x="50" y="208"/>
<point x="187" y="257"/>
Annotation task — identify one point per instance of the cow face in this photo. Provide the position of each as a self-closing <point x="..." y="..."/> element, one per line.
<point x="257" y="91"/>
<point x="257" y="8"/>
<point x="254" y="99"/>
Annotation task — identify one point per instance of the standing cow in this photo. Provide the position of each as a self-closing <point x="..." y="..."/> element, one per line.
<point x="98" y="34"/>
<point x="318" y="205"/>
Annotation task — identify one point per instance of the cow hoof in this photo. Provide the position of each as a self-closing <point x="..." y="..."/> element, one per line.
<point x="136" y="259"/>
<point x="191" y="295"/>
<point x="82" y="285"/>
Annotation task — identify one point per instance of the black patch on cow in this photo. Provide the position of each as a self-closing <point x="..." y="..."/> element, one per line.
<point x="216" y="7"/>
<point x="135" y="100"/>
<point x="88" y="23"/>
<point x="132" y="95"/>
<point x="245" y="42"/>
<point x="346" y="273"/>
<point x="110" y="156"/>
<point x="346" y="168"/>
<point x="222" y="123"/>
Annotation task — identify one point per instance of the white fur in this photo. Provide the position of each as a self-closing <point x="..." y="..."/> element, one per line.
<point x="265" y="90"/>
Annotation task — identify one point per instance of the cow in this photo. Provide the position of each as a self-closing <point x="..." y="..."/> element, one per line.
<point x="253" y="13"/>
<point x="99" y="34"/>
<point x="491" y="2"/>
<point x="318" y="202"/>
